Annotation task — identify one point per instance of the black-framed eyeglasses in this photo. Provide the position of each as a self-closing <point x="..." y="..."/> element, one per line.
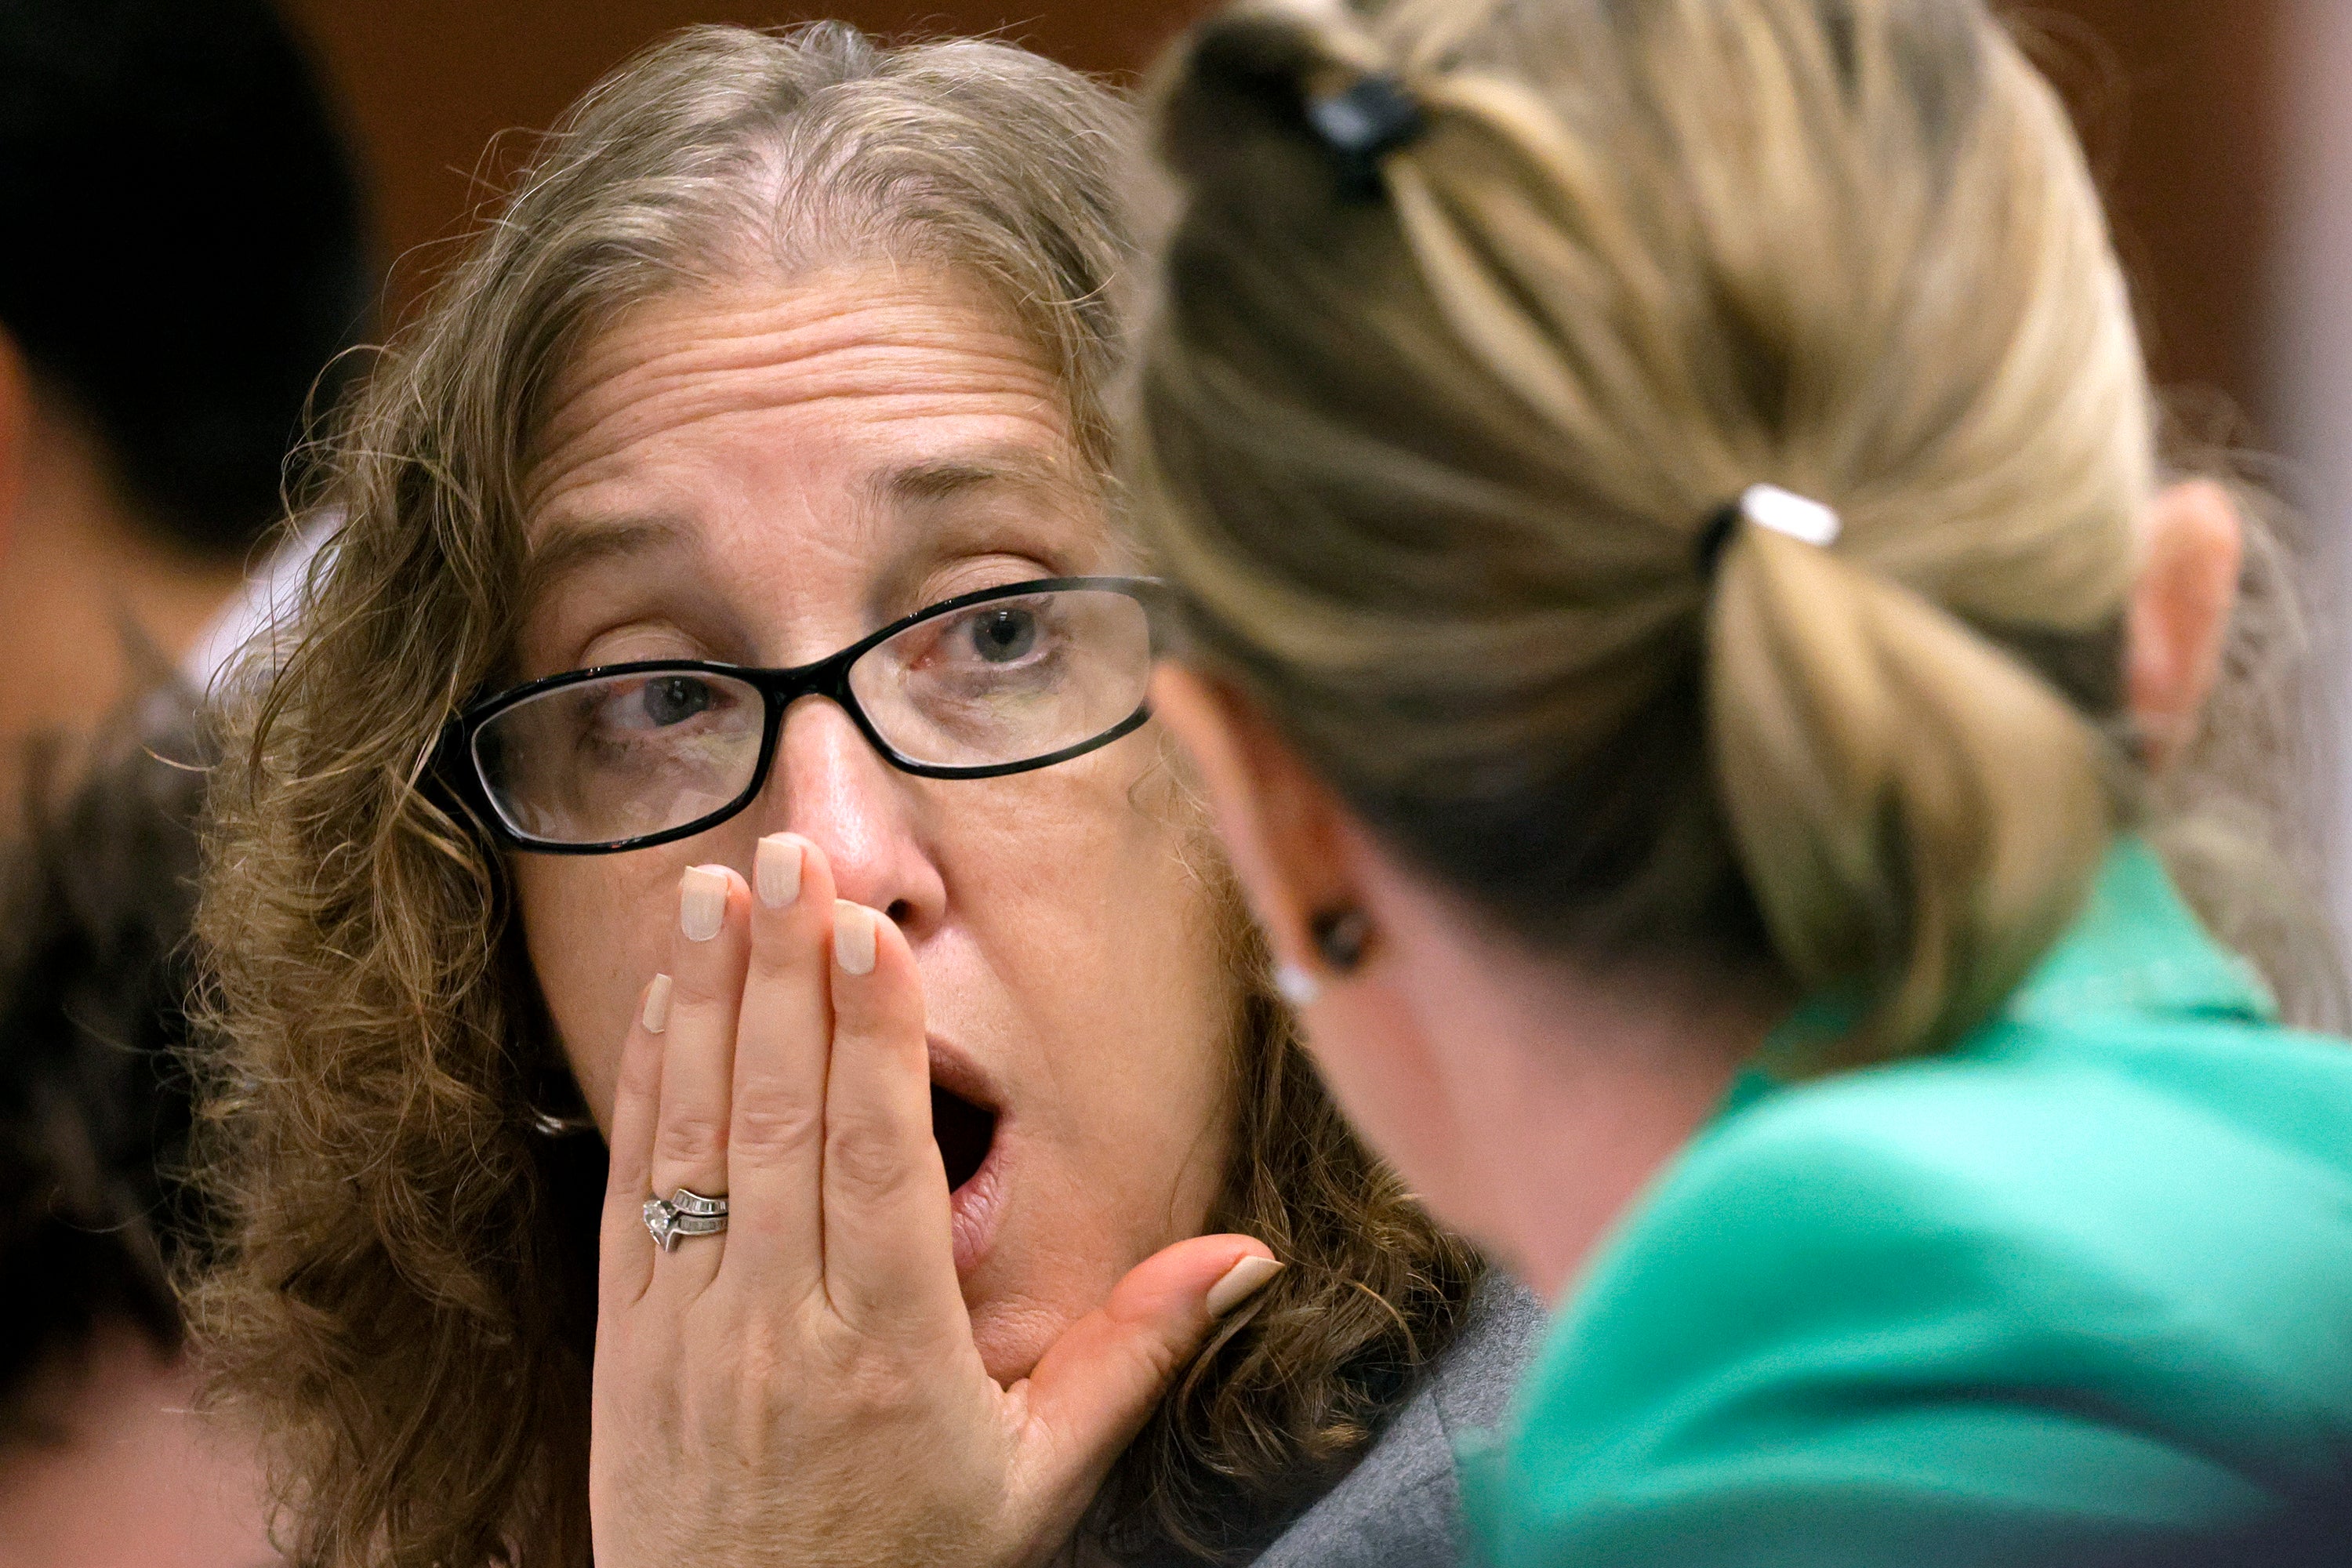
<point x="625" y="756"/>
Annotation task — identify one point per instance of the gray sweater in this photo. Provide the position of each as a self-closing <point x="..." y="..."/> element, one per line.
<point x="1398" y="1507"/>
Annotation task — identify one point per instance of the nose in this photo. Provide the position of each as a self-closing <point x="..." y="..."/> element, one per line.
<point x="830" y="787"/>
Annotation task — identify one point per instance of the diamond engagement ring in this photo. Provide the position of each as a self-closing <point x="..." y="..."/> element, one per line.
<point x="684" y="1213"/>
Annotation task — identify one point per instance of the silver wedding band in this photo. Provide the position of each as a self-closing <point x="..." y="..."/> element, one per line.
<point x="684" y="1213"/>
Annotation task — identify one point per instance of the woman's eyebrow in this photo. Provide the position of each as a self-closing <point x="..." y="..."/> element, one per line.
<point x="566" y="547"/>
<point x="926" y="528"/>
<point x="944" y="478"/>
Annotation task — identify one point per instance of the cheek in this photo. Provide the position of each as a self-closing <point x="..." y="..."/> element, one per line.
<point x="1132" y="1007"/>
<point x="1103" y="942"/>
<point x="596" y="929"/>
<point x="1117" y="939"/>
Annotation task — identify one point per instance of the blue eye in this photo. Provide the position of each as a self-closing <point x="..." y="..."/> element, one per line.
<point x="1003" y="636"/>
<point x="675" y="698"/>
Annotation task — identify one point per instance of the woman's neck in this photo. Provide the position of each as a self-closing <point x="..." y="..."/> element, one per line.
<point x="1568" y="1086"/>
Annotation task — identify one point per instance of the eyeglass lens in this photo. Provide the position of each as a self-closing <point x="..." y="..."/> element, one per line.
<point x="991" y="685"/>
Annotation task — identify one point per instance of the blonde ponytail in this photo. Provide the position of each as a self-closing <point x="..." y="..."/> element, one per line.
<point x="1430" y="464"/>
<point x="1912" y="806"/>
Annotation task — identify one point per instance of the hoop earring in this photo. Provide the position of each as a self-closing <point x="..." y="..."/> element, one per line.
<point x="547" y="1124"/>
<point x="555" y="1108"/>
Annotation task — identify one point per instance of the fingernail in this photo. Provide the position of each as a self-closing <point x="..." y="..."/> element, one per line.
<point x="656" y="1014"/>
<point x="702" y="903"/>
<point x="1242" y="1281"/>
<point x="776" y="872"/>
<point x="853" y="937"/>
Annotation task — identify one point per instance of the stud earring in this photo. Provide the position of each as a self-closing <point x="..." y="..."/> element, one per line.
<point x="1343" y="936"/>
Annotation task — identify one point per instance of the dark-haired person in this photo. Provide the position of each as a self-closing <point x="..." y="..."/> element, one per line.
<point x="1695" y="657"/>
<point x="104" y="1463"/>
<point x="185" y="256"/>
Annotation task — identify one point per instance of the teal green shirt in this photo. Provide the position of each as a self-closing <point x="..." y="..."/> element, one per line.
<point x="2078" y="1291"/>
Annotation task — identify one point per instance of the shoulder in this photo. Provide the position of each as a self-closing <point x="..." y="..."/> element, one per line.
<point x="2188" y="1165"/>
<point x="2039" y="1290"/>
<point x="1399" y="1506"/>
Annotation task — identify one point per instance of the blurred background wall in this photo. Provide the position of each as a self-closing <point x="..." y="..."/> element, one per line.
<point x="2222" y="130"/>
<point x="2179" y="98"/>
<point x="2303" y="334"/>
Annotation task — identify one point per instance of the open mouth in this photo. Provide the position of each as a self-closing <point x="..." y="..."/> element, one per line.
<point x="964" y="1132"/>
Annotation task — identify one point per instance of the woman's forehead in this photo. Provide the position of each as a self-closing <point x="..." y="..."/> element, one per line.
<point x="854" y="432"/>
<point x="820" y="381"/>
<point x="879" y="548"/>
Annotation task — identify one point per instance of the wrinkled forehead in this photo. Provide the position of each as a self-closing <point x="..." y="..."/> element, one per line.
<point x="873" y="411"/>
<point x="888" y="345"/>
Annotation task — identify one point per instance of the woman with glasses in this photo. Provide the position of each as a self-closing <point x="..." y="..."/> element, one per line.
<point x="1682" y="630"/>
<point x="738" y="1048"/>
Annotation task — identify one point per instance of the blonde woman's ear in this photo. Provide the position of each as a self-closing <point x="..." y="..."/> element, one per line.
<point x="2181" y="607"/>
<point x="1280" y="822"/>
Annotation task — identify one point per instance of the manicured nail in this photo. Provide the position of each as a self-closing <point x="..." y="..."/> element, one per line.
<point x="776" y="870"/>
<point x="656" y="1014"/>
<point x="853" y="937"/>
<point x="702" y="903"/>
<point x="1242" y="1281"/>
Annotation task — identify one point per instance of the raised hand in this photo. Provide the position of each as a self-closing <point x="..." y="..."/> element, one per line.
<point x="804" y="1388"/>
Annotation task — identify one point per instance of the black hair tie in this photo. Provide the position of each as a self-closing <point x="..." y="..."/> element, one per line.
<point x="1363" y="125"/>
<point x="1716" y="536"/>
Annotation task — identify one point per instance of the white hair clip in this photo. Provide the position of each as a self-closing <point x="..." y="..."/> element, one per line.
<point x="1784" y="511"/>
<point x="1768" y="506"/>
